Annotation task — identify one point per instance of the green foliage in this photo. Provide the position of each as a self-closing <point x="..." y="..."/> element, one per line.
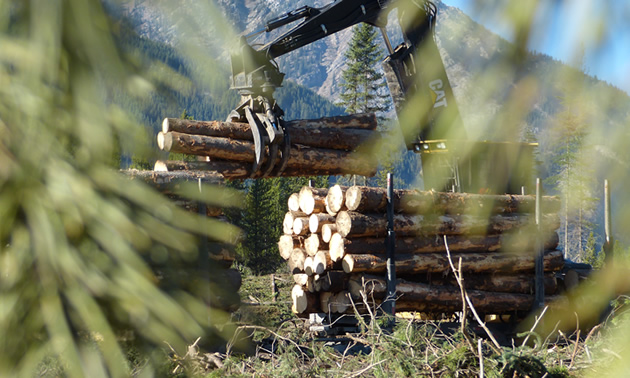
<point x="363" y="84"/>
<point x="74" y="234"/>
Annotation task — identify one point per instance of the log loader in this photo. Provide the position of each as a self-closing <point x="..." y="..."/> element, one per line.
<point x="415" y="74"/>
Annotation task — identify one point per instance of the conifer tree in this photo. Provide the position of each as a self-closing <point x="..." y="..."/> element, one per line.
<point x="363" y="84"/>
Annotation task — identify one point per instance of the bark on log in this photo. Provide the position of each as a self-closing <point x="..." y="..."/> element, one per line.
<point x="300" y="226"/>
<point x="322" y="262"/>
<point x="312" y="244"/>
<point x="303" y="301"/>
<point x="340" y="138"/>
<point x="500" y="283"/>
<point x="340" y="246"/>
<point x="327" y="232"/>
<point x="193" y="206"/>
<point x="433" y="298"/>
<point x="438" y="262"/>
<point x="296" y="261"/>
<point x="350" y="223"/>
<point x="316" y="221"/>
<point x="239" y="170"/>
<point x="312" y="200"/>
<point x="286" y="244"/>
<point x="294" y="203"/>
<point x="335" y="199"/>
<point x="172" y="182"/>
<point x="367" y="199"/>
<point x="300" y="157"/>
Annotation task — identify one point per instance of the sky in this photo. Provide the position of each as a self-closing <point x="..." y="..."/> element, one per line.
<point x="600" y="28"/>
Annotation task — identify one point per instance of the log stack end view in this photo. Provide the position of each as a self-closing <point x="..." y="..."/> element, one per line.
<point x="334" y="245"/>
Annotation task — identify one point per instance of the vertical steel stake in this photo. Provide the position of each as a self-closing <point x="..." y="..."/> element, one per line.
<point x="540" y="252"/>
<point x="390" y="303"/>
<point x="609" y="242"/>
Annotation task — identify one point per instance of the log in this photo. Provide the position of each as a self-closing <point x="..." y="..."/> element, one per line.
<point x="171" y="183"/>
<point x="296" y="261"/>
<point x="324" y="301"/>
<point x="193" y="206"/>
<point x="300" y="279"/>
<point x="286" y="244"/>
<point x="500" y="283"/>
<point x="438" y="262"/>
<point x="312" y="244"/>
<point x="308" y="266"/>
<point x="340" y="302"/>
<point x="289" y="219"/>
<point x="316" y="221"/>
<point x="303" y="301"/>
<point x="367" y="199"/>
<point x="433" y="298"/>
<point x="321" y="262"/>
<point x="323" y="135"/>
<point x="350" y="223"/>
<point x="300" y="226"/>
<point x="300" y="157"/>
<point x="340" y="246"/>
<point x="239" y="170"/>
<point x="327" y="232"/>
<point x="312" y="200"/>
<point x="335" y="199"/>
<point x="294" y="204"/>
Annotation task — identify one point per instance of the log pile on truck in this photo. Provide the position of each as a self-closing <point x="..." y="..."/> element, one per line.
<point x="209" y="275"/>
<point x="334" y="245"/>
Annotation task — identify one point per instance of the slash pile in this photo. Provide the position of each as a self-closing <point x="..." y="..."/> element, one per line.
<point x="207" y="276"/>
<point x="324" y="146"/>
<point x="334" y="245"/>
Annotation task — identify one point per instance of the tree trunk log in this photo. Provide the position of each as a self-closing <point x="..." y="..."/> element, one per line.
<point x="500" y="283"/>
<point x="303" y="301"/>
<point x="316" y="221"/>
<point x="300" y="157"/>
<point x="322" y="262"/>
<point x="296" y="261"/>
<point x="327" y="232"/>
<point x="335" y="199"/>
<point x="340" y="246"/>
<point x="312" y="200"/>
<point x="173" y="182"/>
<point x="300" y="226"/>
<point x="286" y="245"/>
<point x="438" y="262"/>
<point x="289" y="219"/>
<point x="347" y="139"/>
<point x="294" y="203"/>
<point x="433" y="298"/>
<point x="312" y="244"/>
<point x="350" y="223"/>
<point x="365" y="199"/>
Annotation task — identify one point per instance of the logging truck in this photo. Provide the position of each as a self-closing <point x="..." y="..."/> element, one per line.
<point x="328" y="278"/>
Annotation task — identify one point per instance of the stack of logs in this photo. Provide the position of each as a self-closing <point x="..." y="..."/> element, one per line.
<point x="213" y="279"/>
<point x="334" y="244"/>
<point x="323" y="146"/>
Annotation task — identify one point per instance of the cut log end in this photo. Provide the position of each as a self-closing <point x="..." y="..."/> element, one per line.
<point x="336" y="246"/>
<point x="160" y="166"/>
<point x="165" y="126"/>
<point x="348" y="263"/>
<point x="303" y="301"/>
<point x="353" y="198"/>
<point x="327" y="232"/>
<point x="335" y="199"/>
<point x="294" y="203"/>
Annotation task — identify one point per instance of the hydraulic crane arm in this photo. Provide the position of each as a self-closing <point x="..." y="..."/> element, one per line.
<point x="256" y="75"/>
